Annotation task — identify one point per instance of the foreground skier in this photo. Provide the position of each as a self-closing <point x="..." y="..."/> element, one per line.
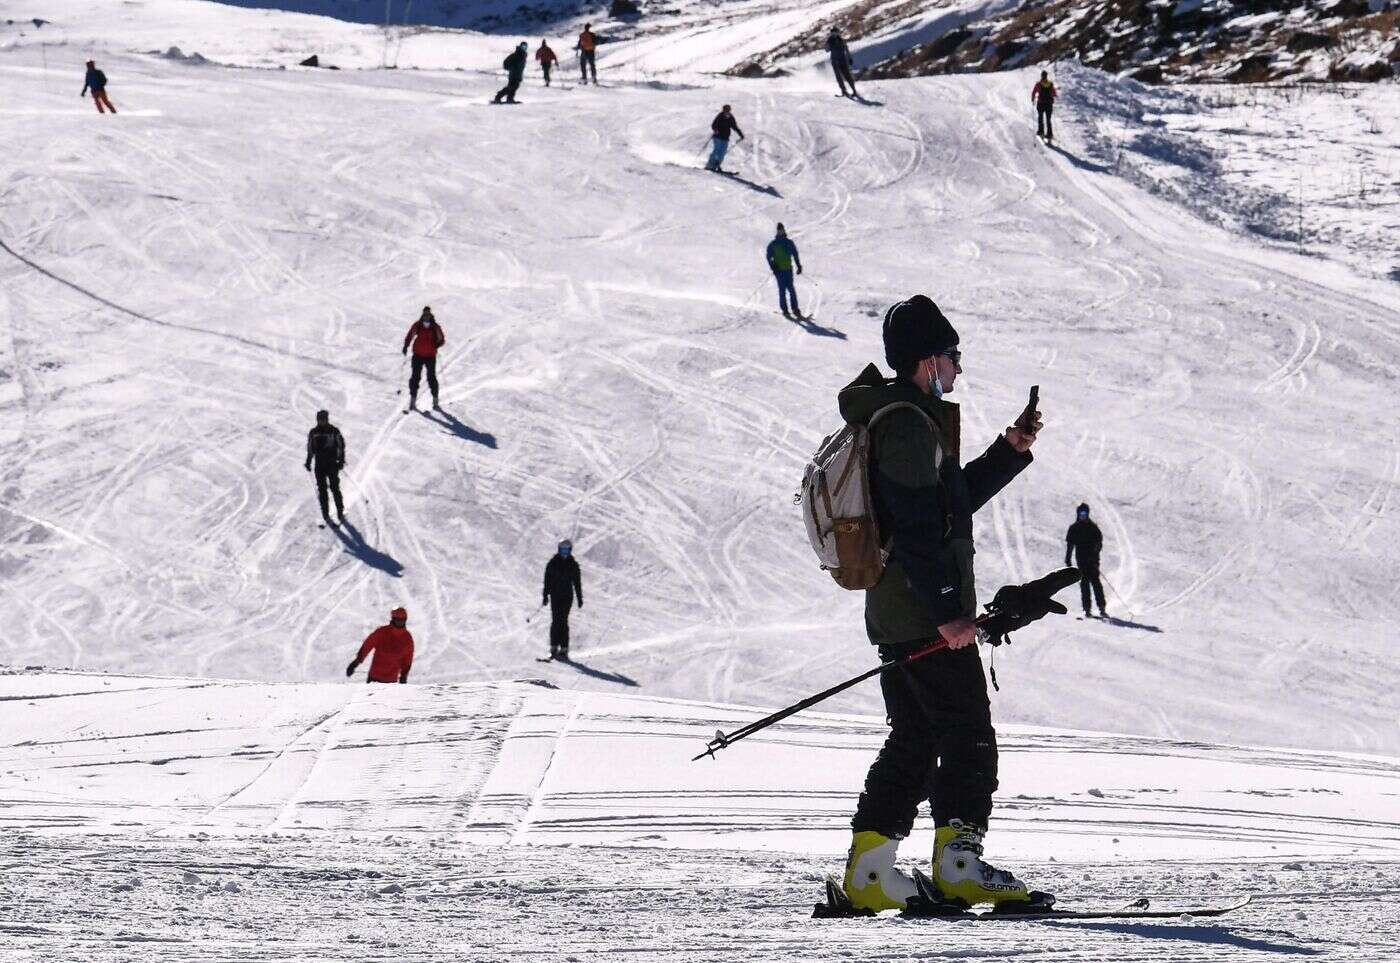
<point x="1044" y="94"/>
<point x="941" y="746"/>
<point x="1085" y="542"/>
<point x="782" y="255"/>
<point x="721" y="127"/>
<point x="96" y="81"/>
<point x="841" y="62"/>
<point x="514" y="66"/>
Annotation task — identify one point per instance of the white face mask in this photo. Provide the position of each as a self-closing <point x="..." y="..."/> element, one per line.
<point x="935" y="386"/>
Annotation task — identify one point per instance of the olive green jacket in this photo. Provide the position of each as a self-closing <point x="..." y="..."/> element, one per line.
<point x="924" y="512"/>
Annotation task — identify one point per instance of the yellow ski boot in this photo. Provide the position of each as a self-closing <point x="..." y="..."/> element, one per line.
<point x="961" y="875"/>
<point x="872" y="881"/>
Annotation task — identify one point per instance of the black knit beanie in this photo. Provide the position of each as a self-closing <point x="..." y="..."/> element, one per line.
<point x="914" y="330"/>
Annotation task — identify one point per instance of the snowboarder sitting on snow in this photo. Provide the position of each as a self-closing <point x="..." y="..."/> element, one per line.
<point x="941" y="746"/>
<point x="96" y="81"/>
<point x="1085" y="541"/>
<point x="326" y="447"/>
<point x="782" y="255"/>
<point x="392" y="646"/>
<point x="587" y="48"/>
<point x="562" y="581"/>
<point x="841" y="61"/>
<point x="1043" y="93"/>
<point x="515" y="72"/>
<point x="426" y="337"/>
<point x="547" y="59"/>
<point x="721" y="127"/>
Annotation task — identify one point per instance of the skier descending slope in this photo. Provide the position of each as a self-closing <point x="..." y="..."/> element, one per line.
<point x="547" y="59"/>
<point x="841" y="62"/>
<point x="392" y="646"/>
<point x="426" y="337"/>
<point x="941" y="746"/>
<point x="562" y="582"/>
<point x="782" y="255"/>
<point x="721" y="127"/>
<point x="514" y="66"/>
<point x="326" y="447"/>
<point x="1044" y="94"/>
<point x="96" y="81"/>
<point x="587" y="48"/>
<point x="1085" y="541"/>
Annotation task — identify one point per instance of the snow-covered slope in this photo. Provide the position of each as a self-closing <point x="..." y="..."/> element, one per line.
<point x="189" y="281"/>
<point x="175" y="819"/>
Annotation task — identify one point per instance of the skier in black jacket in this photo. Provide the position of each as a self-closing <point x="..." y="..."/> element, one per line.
<point x="721" y="127"/>
<point x="562" y="581"/>
<point x="96" y="81"/>
<point x="515" y="72"/>
<point x="941" y="746"/>
<point x="1085" y="541"/>
<point x="326" y="447"/>
<point x="841" y="62"/>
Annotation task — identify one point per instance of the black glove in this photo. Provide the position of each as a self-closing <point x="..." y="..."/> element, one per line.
<point x="308" y="466"/>
<point x="350" y="669"/>
<point x="405" y="350"/>
<point x="1016" y="606"/>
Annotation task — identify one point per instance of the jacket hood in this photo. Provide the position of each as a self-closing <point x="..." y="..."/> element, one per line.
<point x="871" y="391"/>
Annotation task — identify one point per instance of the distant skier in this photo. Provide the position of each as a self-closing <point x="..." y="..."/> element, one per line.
<point x="515" y="72"/>
<point x="587" y="48"/>
<point x="941" y="746"/>
<point x="1044" y="94"/>
<point x="426" y="337"/>
<point x="562" y="582"/>
<point x="547" y="59"/>
<point x="325" y="446"/>
<point x="721" y="127"/>
<point x="782" y="255"/>
<point x="1085" y="542"/>
<point x="841" y="62"/>
<point x="96" y="81"/>
<point x="392" y="646"/>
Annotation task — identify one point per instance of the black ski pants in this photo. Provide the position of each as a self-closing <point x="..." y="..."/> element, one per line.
<point x="1043" y="126"/>
<point x="421" y="365"/>
<point x="329" y="478"/>
<point x="842" y="69"/>
<point x="508" y="91"/>
<point x="588" y="60"/>
<point x="559" y="625"/>
<point x="1089" y="578"/>
<point x="941" y="745"/>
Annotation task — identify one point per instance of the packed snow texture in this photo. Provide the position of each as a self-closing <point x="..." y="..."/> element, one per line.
<point x="217" y="820"/>
<point x="185" y="284"/>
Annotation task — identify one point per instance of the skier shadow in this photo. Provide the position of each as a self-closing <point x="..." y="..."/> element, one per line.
<point x="1078" y="162"/>
<point x="593" y="673"/>
<point x="811" y="327"/>
<point x="1127" y="624"/>
<point x="1215" y="935"/>
<point x="465" y="432"/>
<point x="768" y="189"/>
<point x="355" y="544"/>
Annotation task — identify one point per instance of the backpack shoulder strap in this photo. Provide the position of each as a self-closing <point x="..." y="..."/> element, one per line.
<point x="932" y="427"/>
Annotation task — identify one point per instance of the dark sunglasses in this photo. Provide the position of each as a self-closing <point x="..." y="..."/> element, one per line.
<point x="955" y="356"/>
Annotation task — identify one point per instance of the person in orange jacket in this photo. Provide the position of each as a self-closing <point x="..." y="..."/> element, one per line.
<point x="547" y="58"/>
<point x="1044" y="94"/>
<point x="587" y="48"/>
<point x="392" y="646"/>
<point x="426" y="337"/>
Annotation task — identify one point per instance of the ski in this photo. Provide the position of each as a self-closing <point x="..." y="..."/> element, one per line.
<point x="550" y="659"/>
<point x="933" y="907"/>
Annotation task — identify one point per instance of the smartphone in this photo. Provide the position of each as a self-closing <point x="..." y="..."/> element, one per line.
<point x="1027" y="420"/>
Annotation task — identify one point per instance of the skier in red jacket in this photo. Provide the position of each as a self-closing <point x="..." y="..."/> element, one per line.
<point x="426" y="337"/>
<point x="393" y="650"/>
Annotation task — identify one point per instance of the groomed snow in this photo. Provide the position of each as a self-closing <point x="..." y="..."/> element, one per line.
<point x="216" y="820"/>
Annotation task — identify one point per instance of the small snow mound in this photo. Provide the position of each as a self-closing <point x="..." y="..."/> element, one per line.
<point x="175" y="53"/>
<point x="391" y="889"/>
<point x="189" y="878"/>
<point x="232" y="887"/>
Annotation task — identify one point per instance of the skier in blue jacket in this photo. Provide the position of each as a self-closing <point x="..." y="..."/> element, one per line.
<point x="782" y="256"/>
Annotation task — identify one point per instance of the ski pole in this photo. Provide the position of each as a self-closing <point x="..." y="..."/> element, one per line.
<point x="1012" y="608"/>
<point x="531" y="617"/>
<point x="403" y="366"/>
<point x="723" y="740"/>
<point x="1117" y="596"/>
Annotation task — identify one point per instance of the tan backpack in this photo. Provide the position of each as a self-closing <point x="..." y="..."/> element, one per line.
<point x="837" y="508"/>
